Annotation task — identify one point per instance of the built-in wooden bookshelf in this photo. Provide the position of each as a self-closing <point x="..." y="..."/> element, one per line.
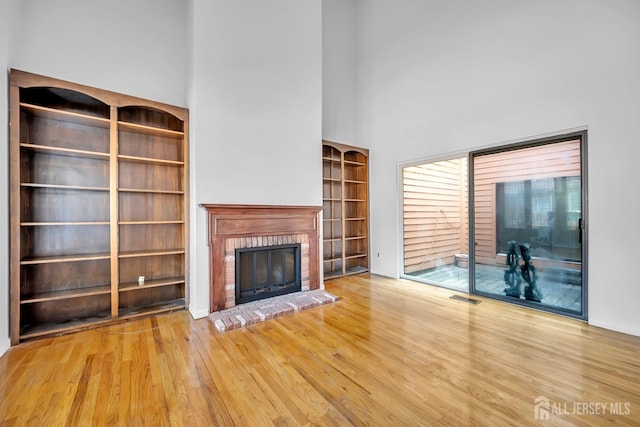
<point x="345" y="197"/>
<point x="99" y="197"/>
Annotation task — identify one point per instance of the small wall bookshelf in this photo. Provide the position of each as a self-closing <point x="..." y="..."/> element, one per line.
<point x="345" y="197"/>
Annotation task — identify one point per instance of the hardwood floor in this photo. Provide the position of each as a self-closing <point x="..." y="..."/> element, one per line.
<point x="388" y="353"/>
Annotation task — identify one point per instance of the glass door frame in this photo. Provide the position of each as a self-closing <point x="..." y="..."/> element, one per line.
<point x="583" y="225"/>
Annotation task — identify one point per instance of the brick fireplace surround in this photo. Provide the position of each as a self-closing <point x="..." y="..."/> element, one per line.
<point x="241" y="226"/>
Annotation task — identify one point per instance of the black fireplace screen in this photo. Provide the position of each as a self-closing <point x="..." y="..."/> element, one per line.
<point x="267" y="271"/>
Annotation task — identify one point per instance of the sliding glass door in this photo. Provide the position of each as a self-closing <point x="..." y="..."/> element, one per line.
<point x="506" y="222"/>
<point x="527" y="219"/>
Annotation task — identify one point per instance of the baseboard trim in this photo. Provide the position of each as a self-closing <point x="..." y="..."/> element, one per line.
<point x="616" y="328"/>
<point x="5" y="344"/>
<point x="198" y="313"/>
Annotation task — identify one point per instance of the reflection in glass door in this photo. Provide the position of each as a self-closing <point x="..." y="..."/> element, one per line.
<point x="527" y="223"/>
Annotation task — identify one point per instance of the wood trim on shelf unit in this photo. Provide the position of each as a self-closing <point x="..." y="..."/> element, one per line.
<point x="25" y="79"/>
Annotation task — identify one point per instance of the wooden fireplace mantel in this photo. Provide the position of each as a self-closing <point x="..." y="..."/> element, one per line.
<point x="228" y="221"/>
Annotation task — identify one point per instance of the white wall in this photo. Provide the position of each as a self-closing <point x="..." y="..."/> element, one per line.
<point x="339" y="71"/>
<point x="9" y="15"/>
<point x="136" y="47"/>
<point x="4" y="179"/>
<point x="437" y="77"/>
<point x="256" y="105"/>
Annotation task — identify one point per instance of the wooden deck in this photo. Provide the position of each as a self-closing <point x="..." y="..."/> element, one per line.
<point x="388" y="352"/>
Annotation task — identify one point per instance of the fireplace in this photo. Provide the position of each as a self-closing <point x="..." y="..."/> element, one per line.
<point x="258" y="228"/>
<point x="267" y="272"/>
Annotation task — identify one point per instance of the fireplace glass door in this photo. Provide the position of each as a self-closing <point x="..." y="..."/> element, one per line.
<point x="267" y="271"/>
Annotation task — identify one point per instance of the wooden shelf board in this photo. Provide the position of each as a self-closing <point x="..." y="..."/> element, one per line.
<point x="332" y="259"/>
<point x="355" y="200"/>
<point x="134" y="286"/>
<point x="354" y="181"/>
<point x="152" y="130"/>
<point x="331" y="179"/>
<point x="355" y="219"/>
<point x="355" y="238"/>
<point x="65" y="327"/>
<point x="66" y="294"/>
<point x="331" y="219"/>
<point x="38" y="224"/>
<point x="63" y="258"/>
<point x="173" y="305"/>
<point x="352" y="256"/>
<point x="72" y="152"/>
<point x="63" y="187"/>
<point x="331" y="159"/>
<point x="356" y="270"/>
<point x="149" y="222"/>
<point x="65" y="116"/>
<point x="150" y="191"/>
<point x="137" y="159"/>
<point x="158" y="252"/>
<point x="329" y="199"/>
<point x="354" y="163"/>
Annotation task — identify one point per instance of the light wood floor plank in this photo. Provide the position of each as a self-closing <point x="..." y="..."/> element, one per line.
<point x="389" y="352"/>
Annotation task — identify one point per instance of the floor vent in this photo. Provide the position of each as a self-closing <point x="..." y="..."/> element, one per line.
<point x="465" y="299"/>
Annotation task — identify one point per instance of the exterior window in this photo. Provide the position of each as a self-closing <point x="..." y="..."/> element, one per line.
<point x="527" y="211"/>
<point x="514" y="204"/>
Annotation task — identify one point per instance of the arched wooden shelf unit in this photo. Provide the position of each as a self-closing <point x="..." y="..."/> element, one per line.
<point x="345" y="198"/>
<point x="99" y="198"/>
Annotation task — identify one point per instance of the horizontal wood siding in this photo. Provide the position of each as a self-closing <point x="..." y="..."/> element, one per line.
<point x="435" y="213"/>
<point x="547" y="161"/>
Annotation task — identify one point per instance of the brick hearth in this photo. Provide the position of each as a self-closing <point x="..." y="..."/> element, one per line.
<point x="269" y="308"/>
